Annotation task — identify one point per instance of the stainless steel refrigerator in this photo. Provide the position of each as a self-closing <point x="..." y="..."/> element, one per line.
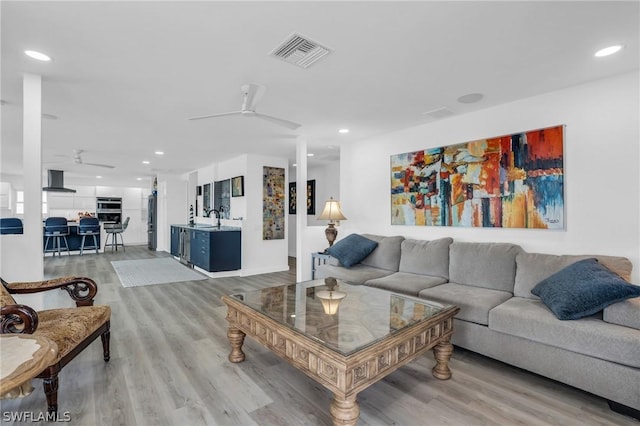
<point x="152" y="222"/>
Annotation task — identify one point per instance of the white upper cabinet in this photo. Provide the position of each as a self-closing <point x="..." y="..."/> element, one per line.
<point x="109" y="191"/>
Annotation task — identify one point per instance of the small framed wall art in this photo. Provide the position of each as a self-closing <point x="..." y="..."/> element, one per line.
<point x="237" y="186"/>
<point x="311" y="197"/>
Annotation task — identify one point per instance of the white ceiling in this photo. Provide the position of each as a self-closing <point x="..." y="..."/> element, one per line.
<point x="126" y="75"/>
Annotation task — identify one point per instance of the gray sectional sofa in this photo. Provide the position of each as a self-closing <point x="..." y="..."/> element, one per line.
<point x="502" y="319"/>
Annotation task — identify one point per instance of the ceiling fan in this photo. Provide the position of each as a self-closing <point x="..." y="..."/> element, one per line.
<point x="252" y="94"/>
<point x="77" y="159"/>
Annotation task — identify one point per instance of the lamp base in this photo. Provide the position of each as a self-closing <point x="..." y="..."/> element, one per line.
<point x="331" y="233"/>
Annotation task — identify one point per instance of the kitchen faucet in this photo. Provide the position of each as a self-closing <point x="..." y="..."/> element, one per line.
<point x="217" y="213"/>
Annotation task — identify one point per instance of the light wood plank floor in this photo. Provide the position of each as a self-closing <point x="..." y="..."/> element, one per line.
<point x="169" y="367"/>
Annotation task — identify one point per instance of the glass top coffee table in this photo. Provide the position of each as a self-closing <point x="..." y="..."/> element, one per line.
<point x="346" y="337"/>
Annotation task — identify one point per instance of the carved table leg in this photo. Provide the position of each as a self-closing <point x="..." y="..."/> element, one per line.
<point x="236" y="337"/>
<point x="344" y="411"/>
<point x="442" y="352"/>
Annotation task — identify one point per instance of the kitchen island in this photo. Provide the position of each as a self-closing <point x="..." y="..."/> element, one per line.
<point x="209" y="247"/>
<point x="74" y="240"/>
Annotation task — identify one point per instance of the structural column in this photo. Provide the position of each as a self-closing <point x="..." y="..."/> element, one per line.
<point x="32" y="166"/>
<point x="301" y="206"/>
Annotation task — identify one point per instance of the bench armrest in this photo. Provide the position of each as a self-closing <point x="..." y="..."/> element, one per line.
<point x="18" y="319"/>
<point x="81" y="289"/>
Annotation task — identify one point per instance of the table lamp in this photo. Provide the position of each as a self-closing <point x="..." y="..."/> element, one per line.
<point x="332" y="213"/>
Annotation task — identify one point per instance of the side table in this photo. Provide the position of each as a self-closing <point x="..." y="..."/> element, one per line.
<point x="317" y="259"/>
<point x="22" y="357"/>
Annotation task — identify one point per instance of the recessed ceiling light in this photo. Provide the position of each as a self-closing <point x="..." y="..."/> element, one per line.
<point x="294" y="165"/>
<point x="310" y="154"/>
<point x="138" y="178"/>
<point x="608" y="51"/>
<point x="146" y="162"/>
<point x="159" y="152"/>
<point x="470" y="98"/>
<point x="343" y="131"/>
<point x="37" y="55"/>
<point x="98" y="177"/>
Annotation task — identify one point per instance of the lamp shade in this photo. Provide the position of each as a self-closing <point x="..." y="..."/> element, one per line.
<point x="331" y="211"/>
<point x="330" y="300"/>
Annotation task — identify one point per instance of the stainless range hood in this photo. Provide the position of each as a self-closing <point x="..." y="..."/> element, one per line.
<point x="56" y="182"/>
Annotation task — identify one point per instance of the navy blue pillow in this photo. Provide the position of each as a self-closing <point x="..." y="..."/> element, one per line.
<point x="582" y="289"/>
<point x="352" y="249"/>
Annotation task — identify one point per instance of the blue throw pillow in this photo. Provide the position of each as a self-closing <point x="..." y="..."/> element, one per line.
<point x="582" y="289"/>
<point x="352" y="249"/>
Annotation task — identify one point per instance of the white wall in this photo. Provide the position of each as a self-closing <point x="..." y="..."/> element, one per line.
<point x="173" y="207"/>
<point x="327" y="177"/>
<point x="227" y="169"/>
<point x="261" y="256"/>
<point x="602" y="159"/>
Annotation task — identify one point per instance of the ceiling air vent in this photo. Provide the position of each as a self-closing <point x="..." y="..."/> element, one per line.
<point x="438" y="113"/>
<point x="300" y="50"/>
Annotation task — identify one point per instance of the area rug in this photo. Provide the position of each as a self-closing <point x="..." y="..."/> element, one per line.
<point x="135" y="273"/>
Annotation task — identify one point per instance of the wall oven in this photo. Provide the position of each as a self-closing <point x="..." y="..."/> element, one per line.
<point x="109" y="209"/>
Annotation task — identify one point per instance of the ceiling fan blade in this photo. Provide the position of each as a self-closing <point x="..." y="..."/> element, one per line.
<point x="285" y="123"/>
<point x="215" y="115"/>
<point x="107" y="166"/>
<point x="253" y="93"/>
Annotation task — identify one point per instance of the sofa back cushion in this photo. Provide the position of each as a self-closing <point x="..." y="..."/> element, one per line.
<point x="426" y="257"/>
<point x="386" y="255"/>
<point x="531" y="268"/>
<point x="352" y="249"/>
<point x="487" y="265"/>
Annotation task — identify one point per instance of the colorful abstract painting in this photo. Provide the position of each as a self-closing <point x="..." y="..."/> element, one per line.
<point x="512" y="181"/>
<point x="273" y="202"/>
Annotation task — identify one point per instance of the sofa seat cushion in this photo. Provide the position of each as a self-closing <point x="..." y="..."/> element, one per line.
<point x="474" y="302"/>
<point x="406" y="283"/>
<point x="386" y="255"/>
<point x="426" y="257"/>
<point x="357" y="274"/>
<point x="531" y="268"/>
<point x="488" y="265"/>
<point x="625" y="313"/>
<point x="68" y="327"/>
<point x="531" y="319"/>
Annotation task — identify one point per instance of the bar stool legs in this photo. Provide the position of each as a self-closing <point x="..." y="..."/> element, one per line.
<point x="114" y="241"/>
<point x="56" y="244"/>
<point x="95" y="243"/>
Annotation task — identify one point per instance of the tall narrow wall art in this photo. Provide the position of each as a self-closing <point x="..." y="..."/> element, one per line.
<point x="511" y="181"/>
<point x="273" y="202"/>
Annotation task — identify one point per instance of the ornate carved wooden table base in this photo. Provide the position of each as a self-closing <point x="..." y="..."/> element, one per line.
<point x="344" y="375"/>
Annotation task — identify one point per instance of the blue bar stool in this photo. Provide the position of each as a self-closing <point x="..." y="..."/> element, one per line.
<point x="10" y="225"/>
<point x="89" y="226"/>
<point x="57" y="228"/>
